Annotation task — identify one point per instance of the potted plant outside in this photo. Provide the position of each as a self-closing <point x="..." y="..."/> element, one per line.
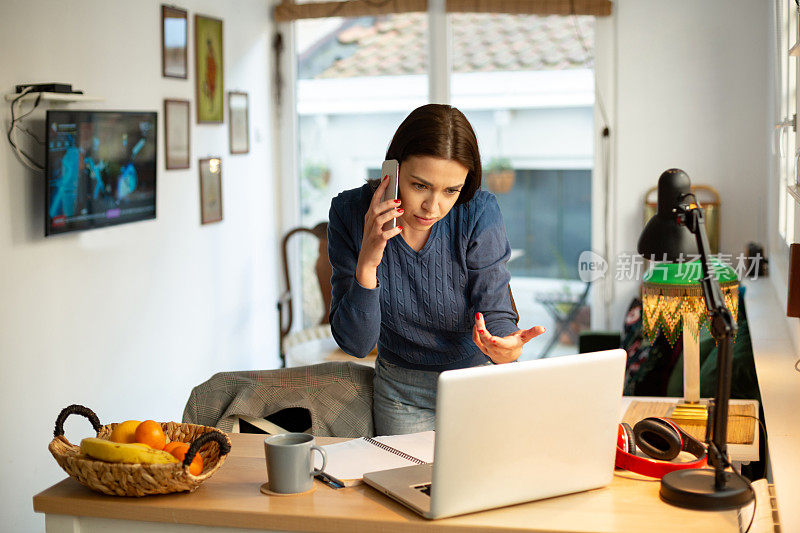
<point x="317" y="175"/>
<point x="499" y="175"/>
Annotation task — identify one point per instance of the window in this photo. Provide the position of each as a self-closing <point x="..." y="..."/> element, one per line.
<point x="788" y="148"/>
<point x="356" y="79"/>
<point x="525" y="82"/>
<point x="549" y="215"/>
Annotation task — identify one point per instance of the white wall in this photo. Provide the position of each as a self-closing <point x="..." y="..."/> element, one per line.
<point x="125" y="320"/>
<point x="691" y="92"/>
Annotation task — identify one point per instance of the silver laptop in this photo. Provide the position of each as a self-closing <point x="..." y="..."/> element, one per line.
<point x="514" y="433"/>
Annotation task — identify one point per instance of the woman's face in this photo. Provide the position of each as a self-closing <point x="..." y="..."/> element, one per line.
<point x="429" y="188"/>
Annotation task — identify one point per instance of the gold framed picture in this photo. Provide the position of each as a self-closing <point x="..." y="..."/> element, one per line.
<point x="238" y="124"/>
<point x="210" y="190"/>
<point x="176" y="133"/>
<point x="209" y="69"/>
<point x="174" y="36"/>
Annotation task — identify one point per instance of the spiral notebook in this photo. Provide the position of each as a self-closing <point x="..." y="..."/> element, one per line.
<point x="348" y="461"/>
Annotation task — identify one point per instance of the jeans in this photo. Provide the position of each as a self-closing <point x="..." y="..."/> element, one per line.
<point x="403" y="399"/>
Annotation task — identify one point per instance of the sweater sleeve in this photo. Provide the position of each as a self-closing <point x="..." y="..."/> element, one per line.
<point x="488" y="285"/>
<point x="355" y="314"/>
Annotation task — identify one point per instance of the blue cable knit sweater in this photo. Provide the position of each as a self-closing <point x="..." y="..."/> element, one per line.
<point x="422" y="312"/>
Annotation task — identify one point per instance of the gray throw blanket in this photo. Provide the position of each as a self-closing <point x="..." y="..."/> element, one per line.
<point x="338" y="396"/>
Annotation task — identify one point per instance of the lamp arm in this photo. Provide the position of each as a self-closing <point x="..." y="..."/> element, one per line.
<point x="723" y="328"/>
<point x="694" y="220"/>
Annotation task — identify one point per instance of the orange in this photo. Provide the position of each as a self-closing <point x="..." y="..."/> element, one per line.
<point x="124" y="432"/>
<point x="172" y="445"/>
<point x="179" y="452"/>
<point x="149" y="432"/>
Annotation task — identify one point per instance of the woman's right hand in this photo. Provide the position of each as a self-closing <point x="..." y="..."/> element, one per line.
<point x="374" y="241"/>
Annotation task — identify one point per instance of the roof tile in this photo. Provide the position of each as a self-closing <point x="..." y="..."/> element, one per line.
<point x="397" y="44"/>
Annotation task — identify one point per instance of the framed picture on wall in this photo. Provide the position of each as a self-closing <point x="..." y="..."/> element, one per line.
<point x="176" y="138"/>
<point x="238" y="123"/>
<point x="210" y="190"/>
<point x="174" y="37"/>
<point x="209" y="69"/>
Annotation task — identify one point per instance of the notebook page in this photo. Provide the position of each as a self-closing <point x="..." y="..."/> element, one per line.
<point x="348" y="461"/>
<point x="419" y="445"/>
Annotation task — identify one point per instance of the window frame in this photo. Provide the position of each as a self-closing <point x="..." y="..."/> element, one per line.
<point x="440" y="54"/>
<point x="785" y="203"/>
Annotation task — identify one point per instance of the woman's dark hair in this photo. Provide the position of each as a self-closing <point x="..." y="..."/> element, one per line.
<point x="442" y="131"/>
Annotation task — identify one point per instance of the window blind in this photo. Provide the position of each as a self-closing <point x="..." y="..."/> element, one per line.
<point x="287" y="11"/>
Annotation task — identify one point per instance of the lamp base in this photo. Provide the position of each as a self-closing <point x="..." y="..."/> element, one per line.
<point x="690" y="413"/>
<point x="694" y="489"/>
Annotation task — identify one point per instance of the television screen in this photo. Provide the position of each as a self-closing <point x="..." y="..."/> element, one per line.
<point x="101" y="169"/>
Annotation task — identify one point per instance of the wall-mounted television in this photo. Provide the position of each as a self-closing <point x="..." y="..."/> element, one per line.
<point x="100" y="169"/>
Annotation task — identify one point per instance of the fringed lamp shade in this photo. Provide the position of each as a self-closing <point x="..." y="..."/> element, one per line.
<point x="672" y="295"/>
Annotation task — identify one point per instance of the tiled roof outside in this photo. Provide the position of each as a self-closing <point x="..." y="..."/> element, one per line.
<point x="482" y="42"/>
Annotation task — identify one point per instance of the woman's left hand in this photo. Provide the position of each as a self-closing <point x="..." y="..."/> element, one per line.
<point x="502" y="349"/>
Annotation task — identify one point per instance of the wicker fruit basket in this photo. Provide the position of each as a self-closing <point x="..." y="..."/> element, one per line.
<point x="123" y="479"/>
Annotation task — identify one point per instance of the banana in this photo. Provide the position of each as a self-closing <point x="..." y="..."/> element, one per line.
<point x="115" y="452"/>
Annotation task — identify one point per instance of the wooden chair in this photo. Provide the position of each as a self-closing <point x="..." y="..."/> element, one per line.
<point x="710" y="201"/>
<point x="324" y="271"/>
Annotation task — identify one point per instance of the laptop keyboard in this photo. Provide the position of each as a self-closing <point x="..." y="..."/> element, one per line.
<point x="425" y="488"/>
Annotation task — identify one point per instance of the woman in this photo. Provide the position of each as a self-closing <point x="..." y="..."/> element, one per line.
<point x="433" y="292"/>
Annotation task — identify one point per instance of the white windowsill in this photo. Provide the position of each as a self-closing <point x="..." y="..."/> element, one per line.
<point x="775" y="356"/>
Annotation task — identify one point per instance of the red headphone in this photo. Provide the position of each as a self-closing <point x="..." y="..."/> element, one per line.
<point x="660" y="438"/>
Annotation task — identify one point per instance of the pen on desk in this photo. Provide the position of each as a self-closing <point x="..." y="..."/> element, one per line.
<point x="330" y="480"/>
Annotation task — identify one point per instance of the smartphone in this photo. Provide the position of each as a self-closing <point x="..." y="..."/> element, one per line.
<point x="390" y="168"/>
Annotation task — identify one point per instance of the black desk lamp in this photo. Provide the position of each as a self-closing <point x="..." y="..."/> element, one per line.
<point x="668" y="235"/>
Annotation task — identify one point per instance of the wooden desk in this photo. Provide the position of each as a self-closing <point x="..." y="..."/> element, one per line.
<point x="231" y="500"/>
